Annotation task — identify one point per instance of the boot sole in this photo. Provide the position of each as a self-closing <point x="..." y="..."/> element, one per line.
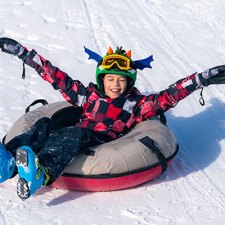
<point x="23" y="190"/>
<point x="21" y="158"/>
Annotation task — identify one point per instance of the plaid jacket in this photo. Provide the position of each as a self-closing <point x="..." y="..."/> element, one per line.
<point x="110" y="118"/>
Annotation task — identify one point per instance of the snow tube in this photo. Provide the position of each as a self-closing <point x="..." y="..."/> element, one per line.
<point x="136" y="158"/>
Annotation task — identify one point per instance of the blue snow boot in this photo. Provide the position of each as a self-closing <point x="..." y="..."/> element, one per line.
<point x="7" y="164"/>
<point x="32" y="174"/>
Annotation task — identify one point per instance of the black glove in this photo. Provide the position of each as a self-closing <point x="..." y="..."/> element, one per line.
<point x="215" y="75"/>
<point x="11" y="46"/>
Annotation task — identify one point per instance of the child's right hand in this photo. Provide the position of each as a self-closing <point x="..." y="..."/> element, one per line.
<point x="12" y="47"/>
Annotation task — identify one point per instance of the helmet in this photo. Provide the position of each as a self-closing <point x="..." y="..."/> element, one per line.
<point x="119" y="63"/>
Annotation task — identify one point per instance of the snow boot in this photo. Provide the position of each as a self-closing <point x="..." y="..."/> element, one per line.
<point x="7" y="164"/>
<point x="32" y="174"/>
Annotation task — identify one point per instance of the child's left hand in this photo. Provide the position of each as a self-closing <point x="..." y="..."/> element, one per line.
<point x="215" y="75"/>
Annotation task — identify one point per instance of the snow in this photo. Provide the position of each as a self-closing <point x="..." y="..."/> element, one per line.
<point x="184" y="37"/>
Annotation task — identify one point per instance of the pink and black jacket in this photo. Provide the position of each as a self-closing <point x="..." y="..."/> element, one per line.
<point x="110" y="118"/>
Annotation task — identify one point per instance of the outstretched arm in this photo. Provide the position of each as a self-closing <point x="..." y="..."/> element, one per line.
<point x="72" y="90"/>
<point x="158" y="103"/>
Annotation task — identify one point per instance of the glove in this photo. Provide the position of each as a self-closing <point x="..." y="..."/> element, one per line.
<point x="12" y="47"/>
<point x="215" y="75"/>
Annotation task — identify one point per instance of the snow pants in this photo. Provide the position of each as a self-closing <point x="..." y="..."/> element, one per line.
<point x="55" y="148"/>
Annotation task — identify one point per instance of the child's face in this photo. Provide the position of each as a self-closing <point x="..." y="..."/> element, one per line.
<point x="114" y="85"/>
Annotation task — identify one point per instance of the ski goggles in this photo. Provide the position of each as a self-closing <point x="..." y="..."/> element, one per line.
<point x="122" y="62"/>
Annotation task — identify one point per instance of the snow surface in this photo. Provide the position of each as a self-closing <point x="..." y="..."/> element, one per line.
<point x="184" y="37"/>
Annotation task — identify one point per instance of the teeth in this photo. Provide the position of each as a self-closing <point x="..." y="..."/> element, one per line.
<point x="115" y="90"/>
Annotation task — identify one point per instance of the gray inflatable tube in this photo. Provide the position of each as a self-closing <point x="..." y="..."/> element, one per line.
<point x="131" y="160"/>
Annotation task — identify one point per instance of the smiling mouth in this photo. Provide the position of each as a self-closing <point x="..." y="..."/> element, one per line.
<point x="115" y="90"/>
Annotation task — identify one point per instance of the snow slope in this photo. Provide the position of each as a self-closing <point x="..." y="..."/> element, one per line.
<point x="184" y="37"/>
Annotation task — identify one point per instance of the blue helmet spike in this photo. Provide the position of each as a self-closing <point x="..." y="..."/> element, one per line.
<point x="92" y="55"/>
<point x="144" y="63"/>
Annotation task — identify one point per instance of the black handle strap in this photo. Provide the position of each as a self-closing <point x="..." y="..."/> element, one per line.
<point x="3" y="139"/>
<point x="43" y="101"/>
<point x="148" y="142"/>
<point x="201" y="100"/>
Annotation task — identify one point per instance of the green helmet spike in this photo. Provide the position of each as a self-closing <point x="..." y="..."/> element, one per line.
<point x="120" y="51"/>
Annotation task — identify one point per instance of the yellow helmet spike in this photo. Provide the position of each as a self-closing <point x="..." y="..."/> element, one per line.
<point x="110" y="51"/>
<point x="128" y="54"/>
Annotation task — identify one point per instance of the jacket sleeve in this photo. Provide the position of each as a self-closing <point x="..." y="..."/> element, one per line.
<point x="72" y="90"/>
<point x="156" y="104"/>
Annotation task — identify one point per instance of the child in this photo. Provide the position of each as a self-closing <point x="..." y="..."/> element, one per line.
<point x="110" y="110"/>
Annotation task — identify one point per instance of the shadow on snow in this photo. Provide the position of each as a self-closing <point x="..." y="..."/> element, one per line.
<point x="198" y="137"/>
